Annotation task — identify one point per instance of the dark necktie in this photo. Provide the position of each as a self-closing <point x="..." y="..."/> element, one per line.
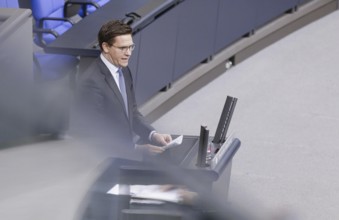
<point x="123" y="89"/>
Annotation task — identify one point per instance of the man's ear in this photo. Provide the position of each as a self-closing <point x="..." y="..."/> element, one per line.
<point x="105" y="47"/>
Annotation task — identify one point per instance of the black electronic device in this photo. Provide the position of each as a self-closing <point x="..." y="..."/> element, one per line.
<point x="224" y="121"/>
<point x="207" y="148"/>
<point x="203" y="143"/>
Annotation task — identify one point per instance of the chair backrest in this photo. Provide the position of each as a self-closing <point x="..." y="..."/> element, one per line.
<point x="9" y="4"/>
<point x="49" y="8"/>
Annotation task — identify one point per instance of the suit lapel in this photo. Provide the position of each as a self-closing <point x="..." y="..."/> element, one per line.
<point x="112" y="84"/>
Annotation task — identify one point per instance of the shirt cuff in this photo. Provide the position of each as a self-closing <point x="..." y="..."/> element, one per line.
<point x="150" y="135"/>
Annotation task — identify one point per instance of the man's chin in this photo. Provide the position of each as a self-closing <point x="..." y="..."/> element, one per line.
<point x="124" y="64"/>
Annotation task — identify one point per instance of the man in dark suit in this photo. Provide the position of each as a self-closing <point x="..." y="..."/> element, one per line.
<point x="106" y="96"/>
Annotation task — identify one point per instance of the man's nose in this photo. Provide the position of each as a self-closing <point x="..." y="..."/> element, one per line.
<point x="128" y="52"/>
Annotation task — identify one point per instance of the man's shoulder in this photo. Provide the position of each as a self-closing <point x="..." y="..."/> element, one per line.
<point x="92" y="71"/>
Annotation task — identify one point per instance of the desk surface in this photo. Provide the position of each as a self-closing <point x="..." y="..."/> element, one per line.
<point x="81" y="39"/>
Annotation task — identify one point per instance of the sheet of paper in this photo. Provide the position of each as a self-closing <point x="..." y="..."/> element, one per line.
<point x="150" y="192"/>
<point x="174" y="143"/>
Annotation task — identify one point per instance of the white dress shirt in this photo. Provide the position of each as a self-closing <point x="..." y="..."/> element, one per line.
<point x="113" y="69"/>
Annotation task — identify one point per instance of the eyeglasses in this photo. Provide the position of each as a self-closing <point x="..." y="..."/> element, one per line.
<point x="125" y="49"/>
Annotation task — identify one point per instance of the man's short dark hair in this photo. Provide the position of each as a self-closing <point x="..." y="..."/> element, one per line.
<point x="110" y="30"/>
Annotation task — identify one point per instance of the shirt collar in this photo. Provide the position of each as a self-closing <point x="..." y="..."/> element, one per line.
<point x="112" y="68"/>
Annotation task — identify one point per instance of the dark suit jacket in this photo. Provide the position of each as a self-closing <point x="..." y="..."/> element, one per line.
<point x="101" y="108"/>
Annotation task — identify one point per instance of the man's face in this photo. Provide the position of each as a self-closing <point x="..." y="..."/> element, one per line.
<point x="121" y="50"/>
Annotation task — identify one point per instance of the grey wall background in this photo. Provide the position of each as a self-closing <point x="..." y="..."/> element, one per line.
<point x="287" y="119"/>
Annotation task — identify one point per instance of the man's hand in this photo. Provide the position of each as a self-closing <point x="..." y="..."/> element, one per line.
<point x="161" y="139"/>
<point x="186" y="196"/>
<point x="150" y="149"/>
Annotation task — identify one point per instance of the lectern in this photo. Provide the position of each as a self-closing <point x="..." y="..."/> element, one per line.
<point x="198" y="163"/>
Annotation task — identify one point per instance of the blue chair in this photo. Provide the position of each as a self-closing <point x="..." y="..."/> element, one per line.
<point x="55" y="80"/>
<point x="50" y="21"/>
<point x="92" y="7"/>
<point x="49" y="67"/>
<point x="54" y="73"/>
<point x="53" y="76"/>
